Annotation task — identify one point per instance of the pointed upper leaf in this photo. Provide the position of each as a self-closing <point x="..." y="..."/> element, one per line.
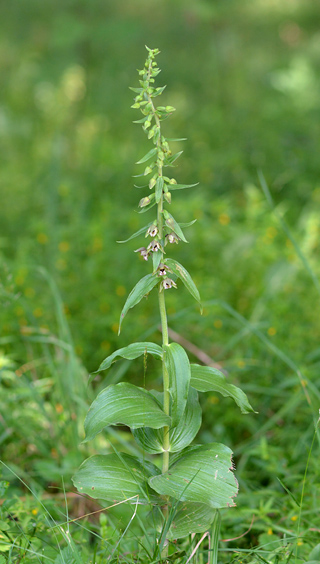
<point x="185" y="277"/>
<point x="209" y="379"/>
<point x="178" y="367"/>
<point x="132" y="351"/>
<point x="112" y="478"/>
<point x="181" y="186"/>
<point x="172" y="223"/>
<point x="147" y="156"/>
<point x="142" y="230"/>
<point x="200" y="474"/>
<point x="124" y="404"/>
<point x="143" y="287"/>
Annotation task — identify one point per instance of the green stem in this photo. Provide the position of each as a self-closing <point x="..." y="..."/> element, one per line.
<point x="163" y="318"/>
<point x="162" y="304"/>
<point x="166" y="394"/>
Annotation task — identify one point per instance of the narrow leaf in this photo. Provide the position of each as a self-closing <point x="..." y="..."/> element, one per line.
<point x="185" y="277"/>
<point x="136" y="90"/>
<point x="170" y="160"/>
<point x="178" y="367"/>
<point x="132" y="351"/>
<point x="208" y="379"/>
<point x="158" y="91"/>
<point x="200" y="474"/>
<point x="171" y="222"/>
<point x="187" y="224"/>
<point x="136" y="234"/>
<point x="143" y="287"/>
<point x="156" y="260"/>
<point x="142" y="120"/>
<point x="159" y="188"/>
<point x="148" y="207"/>
<point x="182" y="186"/>
<point x="147" y="156"/>
<point x="113" y="479"/>
<point x="176" y="139"/>
<point x="124" y="404"/>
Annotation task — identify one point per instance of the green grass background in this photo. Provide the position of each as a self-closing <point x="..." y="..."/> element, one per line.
<point x="244" y="77"/>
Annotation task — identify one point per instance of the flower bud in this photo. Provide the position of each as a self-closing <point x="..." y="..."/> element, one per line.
<point x="144" y="202"/>
<point x="170" y="223"/>
<point x="152" y="182"/>
<point x="167" y="197"/>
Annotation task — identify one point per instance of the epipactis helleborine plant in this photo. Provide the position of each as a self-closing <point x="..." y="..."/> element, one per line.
<point x="194" y="481"/>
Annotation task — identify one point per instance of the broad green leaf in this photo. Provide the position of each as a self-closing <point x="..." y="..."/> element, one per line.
<point x="143" y="287"/>
<point x="136" y="234"/>
<point x="124" y="404"/>
<point x="190" y="518"/>
<point x="112" y="478"/>
<point x="185" y="277"/>
<point x="182" y="186"/>
<point x="151" y="440"/>
<point x="189" y="424"/>
<point x="147" y="156"/>
<point x="208" y="379"/>
<point x="200" y="474"/>
<point x="132" y="351"/>
<point x="178" y="367"/>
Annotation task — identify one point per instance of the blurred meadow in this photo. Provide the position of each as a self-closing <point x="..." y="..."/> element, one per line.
<point x="244" y="77"/>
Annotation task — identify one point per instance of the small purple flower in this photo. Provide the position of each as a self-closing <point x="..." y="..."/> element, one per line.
<point x="167" y="283"/>
<point x="143" y="252"/>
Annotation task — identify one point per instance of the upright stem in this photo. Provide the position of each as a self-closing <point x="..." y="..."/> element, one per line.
<point x="166" y="394"/>
<point x="162" y="303"/>
<point x="165" y="341"/>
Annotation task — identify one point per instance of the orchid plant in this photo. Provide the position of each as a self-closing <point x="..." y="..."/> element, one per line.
<point x="184" y="483"/>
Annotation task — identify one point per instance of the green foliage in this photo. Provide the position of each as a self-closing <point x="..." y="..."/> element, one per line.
<point x="243" y="76"/>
